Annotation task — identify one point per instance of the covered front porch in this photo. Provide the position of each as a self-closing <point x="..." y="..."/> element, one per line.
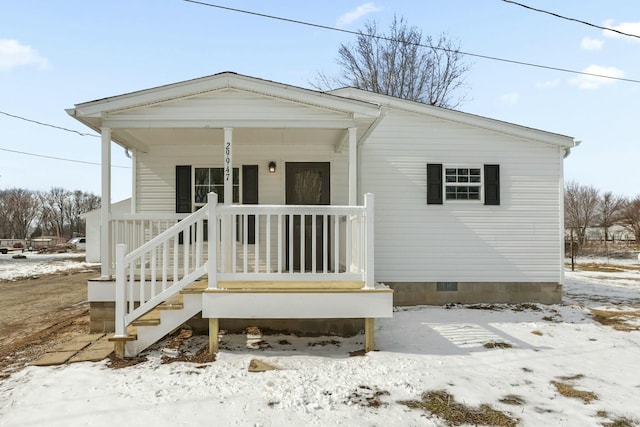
<point x="246" y="185"/>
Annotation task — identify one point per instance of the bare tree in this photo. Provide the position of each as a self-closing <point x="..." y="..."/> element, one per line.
<point x="81" y="203"/>
<point x="62" y="210"/>
<point x="580" y="207"/>
<point x="630" y="217"/>
<point x="55" y="210"/>
<point x="18" y="210"/>
<point x="402" y="63"/>
<point x="611" y="206"/>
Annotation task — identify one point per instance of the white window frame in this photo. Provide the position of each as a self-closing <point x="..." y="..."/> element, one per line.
<point x="198" y="205"/>
<point x="479" y="184"/>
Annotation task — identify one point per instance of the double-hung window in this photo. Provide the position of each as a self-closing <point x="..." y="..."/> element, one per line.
<point x="462" y="183"/>
<point x="472" y="183"/>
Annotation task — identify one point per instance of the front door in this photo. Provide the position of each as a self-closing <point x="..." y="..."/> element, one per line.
<point x="307" y="183"/>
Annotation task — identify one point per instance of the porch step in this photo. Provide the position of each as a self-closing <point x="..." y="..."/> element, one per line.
<point x="195" y="287"/>
<point x="132" y="331"/>
<point x="174" y="303"/>
<point x="132" y="335"/>
<point x="152" y="318"/>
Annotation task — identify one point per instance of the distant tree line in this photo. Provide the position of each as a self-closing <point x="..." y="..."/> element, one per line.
<point x="585" y="206"/>
<point x="29" y="214"/>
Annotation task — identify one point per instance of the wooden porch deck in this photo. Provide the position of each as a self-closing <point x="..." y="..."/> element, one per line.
<point x="272" y="300"/>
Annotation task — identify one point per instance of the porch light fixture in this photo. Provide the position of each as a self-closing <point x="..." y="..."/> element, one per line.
<point x="272" y="167"/>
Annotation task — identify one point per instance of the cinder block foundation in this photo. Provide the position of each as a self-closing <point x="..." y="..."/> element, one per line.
<point x="434" y="293"/>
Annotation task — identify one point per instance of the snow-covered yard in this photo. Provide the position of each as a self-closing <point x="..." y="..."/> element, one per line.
<point x="35" y="264"/>
<point x="514" y="358"/>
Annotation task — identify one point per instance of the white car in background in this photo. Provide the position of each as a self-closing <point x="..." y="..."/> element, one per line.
<point x="79" y="243"/>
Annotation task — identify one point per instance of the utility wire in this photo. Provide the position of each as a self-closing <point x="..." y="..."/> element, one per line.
<point x="571" y="19"/>
<point x="51" y="157"/>
<point x="52" y="126"/>
<point x="475" y="55"/>
<point x="60" y="158"/>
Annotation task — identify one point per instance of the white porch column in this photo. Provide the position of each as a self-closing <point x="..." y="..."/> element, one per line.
<point x="369" y="282"/>
<point x="353" y="166"/>
<point x="227" y="223"/>
<point x="105" y="205"/>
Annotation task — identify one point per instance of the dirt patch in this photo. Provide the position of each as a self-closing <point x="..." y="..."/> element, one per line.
<point x="626" y="320"/>
<point x="116" y="363"/>
<point x="324" y="343"/>
<point x="605" y="268"/>
<point x="444" y="405"/>
<point x="512" y="399"/>
<point x="39" y="313"/>
<point x="568" y="390"/>
<point x="177" y="341"/>
<point x="497" y="344"/>
<point x="620" y="422"/>
<point x="368" y="396"/>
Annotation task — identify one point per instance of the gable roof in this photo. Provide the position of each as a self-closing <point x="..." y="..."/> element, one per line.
<point x="339" y="108"/>
<point x="221" y="81"/>
<point x="222" y="100"/>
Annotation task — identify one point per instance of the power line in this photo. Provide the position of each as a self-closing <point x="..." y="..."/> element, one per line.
<point x="60" y="158"/>
<point x="51" y="126"/>
<point x="52" y="157"/>
<point x="475" y="55"/>
<point x="571" y="19"/>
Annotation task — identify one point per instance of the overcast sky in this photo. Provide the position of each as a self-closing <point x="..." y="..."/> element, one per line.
<point x="54" y="54"/>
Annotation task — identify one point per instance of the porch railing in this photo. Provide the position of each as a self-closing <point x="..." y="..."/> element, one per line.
<point x="292" y="243"/>
<point x="135" y="229"/>
<point x="243" y="243"/>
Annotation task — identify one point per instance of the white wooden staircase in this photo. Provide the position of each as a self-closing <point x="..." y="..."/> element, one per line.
<point x="165" y="318"/>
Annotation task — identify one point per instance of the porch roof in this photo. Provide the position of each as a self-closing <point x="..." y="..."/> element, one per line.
<point x="223" y="100"/>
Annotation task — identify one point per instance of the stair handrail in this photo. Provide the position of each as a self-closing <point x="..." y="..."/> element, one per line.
<point x="125" y="262"/>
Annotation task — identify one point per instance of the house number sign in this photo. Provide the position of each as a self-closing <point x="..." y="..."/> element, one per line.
<point x="227" y="161"/>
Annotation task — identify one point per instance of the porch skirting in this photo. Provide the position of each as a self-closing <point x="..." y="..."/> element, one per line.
<point x="439" y="293"/>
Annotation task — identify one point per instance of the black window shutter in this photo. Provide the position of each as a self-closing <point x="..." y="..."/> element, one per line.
<point x="434" y="184"/>
<point x="183" y="189"/>
<point x="491" y="184"/>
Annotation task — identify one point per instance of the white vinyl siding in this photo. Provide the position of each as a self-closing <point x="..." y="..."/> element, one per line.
<point x="156" y="169"/>
<point x="517" y="240"/>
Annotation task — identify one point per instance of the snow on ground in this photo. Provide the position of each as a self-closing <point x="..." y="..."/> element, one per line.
<point x="38" y="264"/>
<point x="421" y="349"/>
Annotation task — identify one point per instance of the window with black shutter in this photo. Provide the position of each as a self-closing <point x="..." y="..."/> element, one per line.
<point x="463" y="183"/>
<point x="434" y="184"/>
<point x="491" y="184"/>
<point x="183" y="189"/>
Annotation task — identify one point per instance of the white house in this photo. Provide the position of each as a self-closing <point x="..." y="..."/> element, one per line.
<point x="467" y="209"/>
